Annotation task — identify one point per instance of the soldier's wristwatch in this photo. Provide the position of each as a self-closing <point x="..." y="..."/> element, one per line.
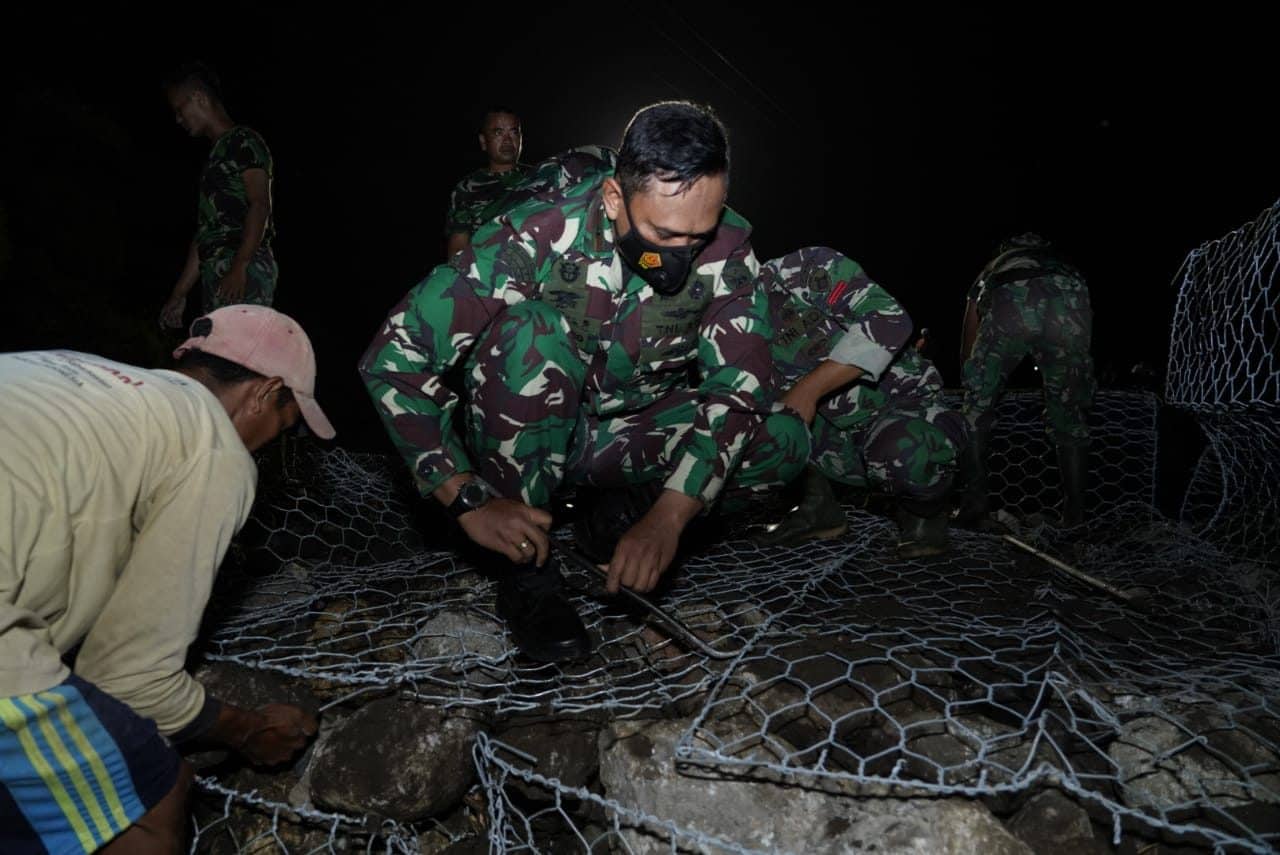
<point x="473" y="494"/>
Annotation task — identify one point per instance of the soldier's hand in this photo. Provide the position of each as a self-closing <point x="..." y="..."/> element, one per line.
<point x="803" y="403"/>
<point x="232" y="286"/>
<point x="277" y="732"/>
<point x="510" y="527"/>
<point x="644" y="553"/>
<point x="171" y="312"/>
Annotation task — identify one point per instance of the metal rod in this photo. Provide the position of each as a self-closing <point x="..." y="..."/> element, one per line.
<point x="342" y="700"/>
<point x="673" y="624"/>
<point x="1067" y="568"/>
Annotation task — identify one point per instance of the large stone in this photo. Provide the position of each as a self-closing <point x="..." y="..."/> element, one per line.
<point x="1161" y="765"/>
<point x="1051" y="823"/>
<point x="240" y="830"/>
<point x="467" y="645"/>
<point x="638" y="769"/>
<point x="566" y="749"/>
<point x="250" y="688"/>
<point x="271" y="825"/>
<point x="394" y="758"/>
<point x="286" y="591"/>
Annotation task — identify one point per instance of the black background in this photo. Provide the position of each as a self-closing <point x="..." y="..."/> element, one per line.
<point x="911" y="140"/>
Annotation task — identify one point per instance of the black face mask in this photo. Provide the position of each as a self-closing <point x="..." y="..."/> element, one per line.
<point x="664" y="268"/>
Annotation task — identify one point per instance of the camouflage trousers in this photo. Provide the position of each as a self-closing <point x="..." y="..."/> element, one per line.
<point x="1050" y="323"/>
<point x="906" y="449"/>
<point x="528" y="433"/>
<point x="260" y="279"/>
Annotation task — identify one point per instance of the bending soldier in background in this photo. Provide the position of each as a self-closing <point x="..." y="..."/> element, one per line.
<point x="872" y="400"/>
<point x="1028" y="301"/>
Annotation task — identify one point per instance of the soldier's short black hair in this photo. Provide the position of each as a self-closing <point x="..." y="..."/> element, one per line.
<point x="496" y="108"/>
<point x="1026" y="240"/>
<point x="672" y="141"/>
<point x="197" y="75"/>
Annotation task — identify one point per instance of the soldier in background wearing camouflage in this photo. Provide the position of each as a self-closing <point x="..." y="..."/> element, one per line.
<point x="873" y="403"/>
<point x="1028" y="301"/>
<point x="231" y="254"/>
<point x="581" y="318"/>
<point x="486" y="193"/>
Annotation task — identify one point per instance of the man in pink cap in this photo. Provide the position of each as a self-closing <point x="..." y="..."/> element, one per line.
<point x="120" y="490"/>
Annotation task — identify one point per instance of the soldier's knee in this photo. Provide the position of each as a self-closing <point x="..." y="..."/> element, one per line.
<point x="790" y="436"/>
<point x="913" y="458"/>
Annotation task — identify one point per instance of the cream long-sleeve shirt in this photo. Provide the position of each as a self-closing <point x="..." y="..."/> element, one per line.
<point x="120" y="490"/>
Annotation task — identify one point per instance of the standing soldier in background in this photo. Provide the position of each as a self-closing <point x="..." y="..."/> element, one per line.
<point x="483" y="194"/>
<point x="231" y="253"/>
<point x="1028" y="301"/>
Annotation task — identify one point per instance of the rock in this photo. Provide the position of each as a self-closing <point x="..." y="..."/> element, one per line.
<point x="240" y="830"/>
<point x="567" y="749"/>
<point x="455" y="634"/>
<point x="1005" y="751"/>
<point x="247" y="688"/>
<point x="288" y="589"/>
<point x="393" y="758"/>
<point x="1050" y="823"/>
<point x="468" y="846"/>
<point x="250" y="688"/>
<point x="1161" y="765"/>
<point x="638" y="769"/>
<point x="465" y="828"/>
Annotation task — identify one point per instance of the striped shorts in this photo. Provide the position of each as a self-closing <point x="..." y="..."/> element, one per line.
<point x="77" y="768"/>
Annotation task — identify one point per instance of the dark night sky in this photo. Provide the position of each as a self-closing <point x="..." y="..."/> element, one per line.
<point x="912" y="141"/>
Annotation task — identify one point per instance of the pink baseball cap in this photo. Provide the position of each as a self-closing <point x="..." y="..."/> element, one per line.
<point x="268" y="342"/>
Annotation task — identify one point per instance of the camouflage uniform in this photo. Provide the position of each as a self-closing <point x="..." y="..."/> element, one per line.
<point x="575" y="369"/>
<point x="481" y="196"/>
<point x="221" y="214"/>
<point x="889" y="430"/>
<point x="1031" y="302"/>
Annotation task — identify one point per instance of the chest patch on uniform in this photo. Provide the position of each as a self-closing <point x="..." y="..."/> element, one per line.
<point x="515" y="263"/>
<point x="567" y="292"/>
<point x="735" y="274"/>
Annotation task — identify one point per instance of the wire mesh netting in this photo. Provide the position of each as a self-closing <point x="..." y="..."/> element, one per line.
<point x="984" y="674"/>
<point x="1226" y="324"/>
<point x="852" y="695"/>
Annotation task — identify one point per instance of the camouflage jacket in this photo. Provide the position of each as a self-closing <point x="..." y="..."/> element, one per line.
<point x="822" y="305"/>
<point x="223" y="202"/>
<point x="480" y="197"/>
<point x="638" y="346"/>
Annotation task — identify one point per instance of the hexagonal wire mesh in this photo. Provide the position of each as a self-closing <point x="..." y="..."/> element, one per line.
<point x="985" y="675"/>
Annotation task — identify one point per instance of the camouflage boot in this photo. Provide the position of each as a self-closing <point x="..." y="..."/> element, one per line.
<point x="818" y="516"/>
<point x="543" y="623"/>
<point x="922" y="528"/>
<point x="975" y="494"/>
<point x="1073" y="469"/>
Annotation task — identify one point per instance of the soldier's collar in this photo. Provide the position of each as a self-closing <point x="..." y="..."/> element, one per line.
<point x="599" y="228"/>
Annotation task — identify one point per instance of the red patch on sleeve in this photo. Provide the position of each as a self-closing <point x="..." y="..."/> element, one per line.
<point x="836" y="293"/>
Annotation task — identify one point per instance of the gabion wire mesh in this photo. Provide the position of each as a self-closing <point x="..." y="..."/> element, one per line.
<point x="847" y="676"/>
<point x="989" y="673"/>
<point x="1226" y="324"/>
